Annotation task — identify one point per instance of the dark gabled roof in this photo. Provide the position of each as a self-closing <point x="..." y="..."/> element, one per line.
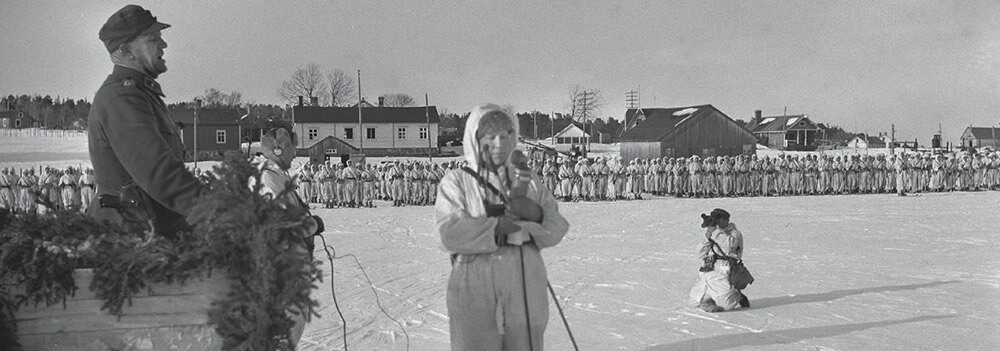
<point x="985" y="132"/>
<point x="206" y="116"/>
<point x="308" y="114"/>
<point x="779" y="124"/>
<point x="652" y="124"/>
<point x="341" y="141"/>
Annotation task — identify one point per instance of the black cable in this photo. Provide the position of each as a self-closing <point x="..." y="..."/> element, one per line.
<point x="333" y="256"/>
<point x="330" y="257"/>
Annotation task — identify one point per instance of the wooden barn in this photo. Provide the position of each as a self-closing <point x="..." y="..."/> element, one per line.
<point x="981" y="137"/>
<point x="683" y="131"/>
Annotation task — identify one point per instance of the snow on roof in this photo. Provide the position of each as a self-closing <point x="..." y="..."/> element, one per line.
<point x="767" y="120"/>
<point x="791" y="121"/>
<point x="682" y="121"/>
<point x="687" y="111"/>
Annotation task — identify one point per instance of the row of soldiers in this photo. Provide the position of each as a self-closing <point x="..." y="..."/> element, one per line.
<point x="336" y="184"/>
<point x="726" y="176"/>
<point x="24" y="191"/>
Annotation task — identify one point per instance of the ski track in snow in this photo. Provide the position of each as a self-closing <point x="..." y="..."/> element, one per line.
<point x="833" y="273"/>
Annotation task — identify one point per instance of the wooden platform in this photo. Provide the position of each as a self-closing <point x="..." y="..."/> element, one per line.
<point x="173" y="317"/>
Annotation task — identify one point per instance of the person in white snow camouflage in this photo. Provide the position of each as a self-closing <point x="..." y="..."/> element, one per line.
<point x="489" y="285"/>
<point x="713" y="292"/>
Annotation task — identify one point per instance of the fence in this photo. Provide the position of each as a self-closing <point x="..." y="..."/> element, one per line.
<point x="46" y="133"/>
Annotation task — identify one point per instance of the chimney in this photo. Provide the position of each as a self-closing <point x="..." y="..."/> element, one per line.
<point x="381" y="101"/>
<point x="300" y="100"/>
<point x="756" y="116"/>
<point x="314" y="101"/>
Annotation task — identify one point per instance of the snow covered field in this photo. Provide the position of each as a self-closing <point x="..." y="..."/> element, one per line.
<point x="864" y="272"/>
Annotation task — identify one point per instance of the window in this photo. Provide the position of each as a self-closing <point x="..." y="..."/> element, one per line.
<point x="330" y="151"/>
<point x="313" y="133"/>
<point x="220" y="136"/>
<point x="349" y="133"/>
<point x="17" y="123"/>
<point x="370" y="133"/>
<point x="401" y="133"/>
<point x="423" y="133"/>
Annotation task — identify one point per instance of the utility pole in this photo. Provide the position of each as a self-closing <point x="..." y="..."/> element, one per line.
<point x="427" y="116"/>
<point x="197" y="106"/>
<point x="361" y="126"/>
<point x="583" y="112"/>
<point x="892" y="145"/>
<point x="552" y="126"/>
<point x="534" y="121"/>
<point x="631" y="102"/>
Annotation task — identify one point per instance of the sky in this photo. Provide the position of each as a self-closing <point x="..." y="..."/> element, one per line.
<point x="861" y="65"/>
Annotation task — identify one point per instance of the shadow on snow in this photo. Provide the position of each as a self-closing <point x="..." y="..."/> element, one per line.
<point x="786" y="336"/>
<point x="837" y="294"/>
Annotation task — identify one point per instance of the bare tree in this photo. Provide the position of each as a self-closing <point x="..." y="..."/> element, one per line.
<point x="584" y="103"/>
<point x="307" y="82"/>
<point x="214" y="98"/>
<point x="398" y="100"/>
<point x="341" y="87"/>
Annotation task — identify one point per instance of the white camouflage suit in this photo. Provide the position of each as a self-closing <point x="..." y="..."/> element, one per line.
<point x="485" y="299"/>
<point x="715" y="284"/>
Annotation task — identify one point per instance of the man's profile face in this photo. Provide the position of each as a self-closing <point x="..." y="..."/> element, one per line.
<point x="147" y="52"/>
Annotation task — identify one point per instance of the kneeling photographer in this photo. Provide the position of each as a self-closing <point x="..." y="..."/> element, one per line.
<point x="722" y="274"/>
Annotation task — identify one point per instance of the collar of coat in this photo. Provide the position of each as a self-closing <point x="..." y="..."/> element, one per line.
<point x="131" y="77"/>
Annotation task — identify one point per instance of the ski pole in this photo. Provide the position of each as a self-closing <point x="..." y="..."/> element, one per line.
<point x="524" y="289"/>
<point x="563" y="316"/>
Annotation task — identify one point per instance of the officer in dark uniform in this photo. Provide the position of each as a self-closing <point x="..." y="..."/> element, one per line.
<point x="133" y="139"/>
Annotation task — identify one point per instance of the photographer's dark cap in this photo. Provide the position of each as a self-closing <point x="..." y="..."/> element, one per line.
<point x="720" y="214"/>
<point x="126" y="25"/>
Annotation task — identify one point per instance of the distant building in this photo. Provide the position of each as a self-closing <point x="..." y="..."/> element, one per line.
<point x="16" y="120"/>
<point x="795" y="132"/>
<point x="331" y="148"/>
<point x="864" y="141"/>
<point x="683" y="131"/>
<point x="218" y="129"/>
<point x="572" y="134"/>
<point x="388" y="131"/>
<point x="981" y="137"/>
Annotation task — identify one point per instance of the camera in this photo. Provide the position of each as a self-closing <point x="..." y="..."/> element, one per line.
<point x="707" y="221"/>
<point x="708" y="264"/>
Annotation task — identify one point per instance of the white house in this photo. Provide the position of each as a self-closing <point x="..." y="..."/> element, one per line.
<point x="382" y="131"/>
<point x="572" y="134"/>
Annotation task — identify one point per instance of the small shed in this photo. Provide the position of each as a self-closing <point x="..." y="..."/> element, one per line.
<point x="333" y="148"/>
<point x="572" y="134"/>
<point x="864" y="141"/>
<point x="683" y="131"/>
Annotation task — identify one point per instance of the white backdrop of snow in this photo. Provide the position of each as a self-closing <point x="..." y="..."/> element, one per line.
<point x="859" y="272"/>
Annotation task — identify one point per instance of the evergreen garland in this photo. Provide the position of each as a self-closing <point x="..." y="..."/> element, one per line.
<point x="257" y="242"/>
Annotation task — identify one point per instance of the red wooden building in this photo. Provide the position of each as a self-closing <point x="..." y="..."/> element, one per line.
<point x="218" y="130"/>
